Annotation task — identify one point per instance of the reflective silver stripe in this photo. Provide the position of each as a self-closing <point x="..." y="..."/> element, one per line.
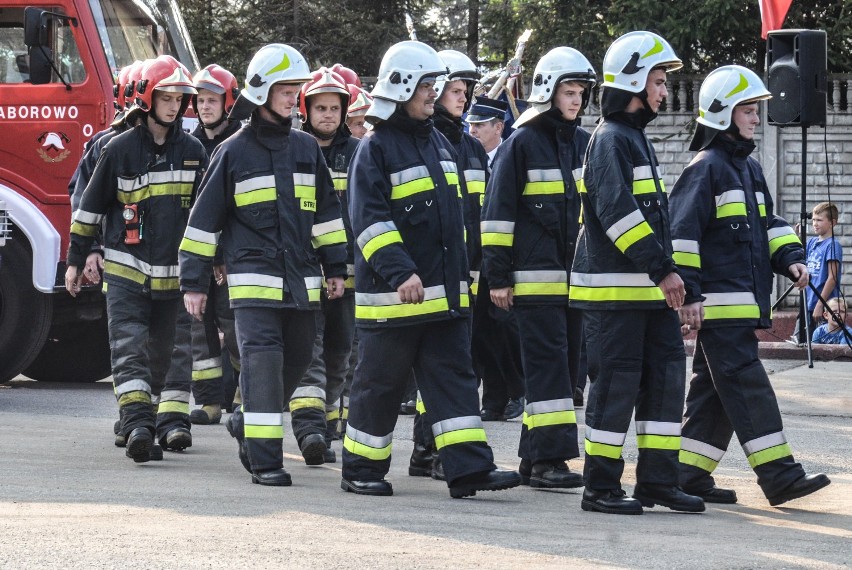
<point x="702" y="448"/>
<point x="132" y="386"/>
<point x="474" y="175"/>
<point x="350" y="269"/>
<point x="87" y="217"/>
<point x="327" y="227"/>
<point x="254" y="184"/>
<point x="240" y="279"/>
<point x="455" y="424"/>
<point x="409" y="174"/>
<point x="548" y="406"/>
<point x="464" y="288"/>
<point x="761" y="199"/>
<point x="155" y="400"/>
<point x="730" y="197"/>
<point x="764" y="442"/>
<point x="657" y="428"/>
<point x="207" y="363"/>
<point x="201" y="236"/>
<point x="308" y="392"/>
<point x="146" y="268"/>
<point x="544" y="175"/>
<point x="607" y="437"/>
<point x="686" y="246"/>
<point x="174" y="396"/>
<point x="497" y="227"/>
<point x="165" y="177"/>
<point x="475" y="276"/>
<point x="577" y="173"/>
<point x="724" y="299"/>
<point x="314" y="282"/>
<point x="392" y="298"/>
<point x="449" y="166"/>
<point x="374" y="441"/>
<point x="263" y="419"/>
<point x="626" y="223"/>
<point x="642" y="172"/>
<point x="543" y="276"/>
<point x="303" y="179"/>
<point x="611" y="280"/>
<point x="374" y="230"/>
<point x="778" y="232"/>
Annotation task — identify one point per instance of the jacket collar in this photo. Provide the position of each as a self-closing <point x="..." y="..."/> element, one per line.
<point x="401" y="121"/>
<point x="449" y="126"/>
<point x="273" y="136"/>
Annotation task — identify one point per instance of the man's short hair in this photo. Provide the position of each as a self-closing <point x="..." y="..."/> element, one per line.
<point x="827" y="209"/>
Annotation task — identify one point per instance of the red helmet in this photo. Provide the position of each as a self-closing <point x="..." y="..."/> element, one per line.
<point x="164" y="74"/>
<point x="120" y="86"/>
<point x="218" y="80"/>
<point x="323" y="80"/>
<point x="133" y="78"/>
<point x="359" y="101"/>
<point x="349" y="76"/>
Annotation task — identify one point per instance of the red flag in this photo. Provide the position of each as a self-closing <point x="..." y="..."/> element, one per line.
<point x="772" y="14"/>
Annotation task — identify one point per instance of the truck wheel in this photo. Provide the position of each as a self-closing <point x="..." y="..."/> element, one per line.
<point x="25" y="312"/>
<point x="78" y="353"/>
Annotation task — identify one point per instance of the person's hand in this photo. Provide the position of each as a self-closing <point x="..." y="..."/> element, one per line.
<point x="412" y="290"/>
<point x="799" y="275"/>
<point x="818" y="311"/>
<point x="72" y="280"/>
<point x="502" y="298"/>
<point x="673" y="289"/>
<point x="692" y="315"/>
<point x="220" y="274"/>
<point x="335" y="287"/>
<point x="195" y="303"/>
<point x="94" y="265"/>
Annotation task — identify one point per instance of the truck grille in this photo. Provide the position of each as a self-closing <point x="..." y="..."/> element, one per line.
<point x="5" y="224"/>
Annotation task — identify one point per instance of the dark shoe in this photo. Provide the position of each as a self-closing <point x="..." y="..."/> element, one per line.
<point x="669" y="496"/>
<point x="329" y="456"/>
<point x="513" y="409"/>
<point x="119" y="437"/>
<point x="139" y="444"/>
<point x="378" y="488"/>
<point x="420" y="464"/>
<point x="437" y="467"/>
<point x="272" y="478"/>
<point x="490" y="415"/>
<point x="408" y="408"/>
<point x="206" y="415"/>
<point x="714" y="495"/>
<point x="494" y="480"/>
<point x="805" y="485"/>
<point x="554" y="475"/>
<point x="525" y="469"/>
<point x="177" y="439"/>
<point x="156" y="452"/>
<point x="611" y="502"/>
<point x="313" y="449"/>
<point x="578" y="397"/>
<point x="236" y="432"/>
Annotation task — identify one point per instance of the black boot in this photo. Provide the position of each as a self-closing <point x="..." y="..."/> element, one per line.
<point x="494" y="480"/>
<point x="313" y="449"/>
<point x="139" y="444"/>
<point x="801" y="487"/>
<point x="437" y="467"/>
<point x="670" y="496"/>
<point x="376" y="488"/>
<point x="177" y="439"/>
<point x="272" y="478"/>
<point x="714" y="494"/>
<point x="610" y="501"/>
<point x="420" y="464"/>
<point x="235" y="428"/>
<point x="119" y="437"/>
<point x="554" y="475"/>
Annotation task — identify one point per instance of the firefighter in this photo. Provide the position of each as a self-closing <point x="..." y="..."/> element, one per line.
<point x="268" y="201"/>
<point x="529" y="231"/>
<point x="142" y="189"/>
<point x="626" y="282"/>
<point x="359" y="102"/>
<point x="217" y="91"/>
<point x="315" y="405"/>
<point x="411" y="282"/>
<point x="727" y="244"/>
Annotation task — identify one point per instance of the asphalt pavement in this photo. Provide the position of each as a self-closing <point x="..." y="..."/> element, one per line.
<point x="70" y="499"/>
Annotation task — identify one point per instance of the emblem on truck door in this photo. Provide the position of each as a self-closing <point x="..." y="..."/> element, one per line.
<point x="53" y="146"/>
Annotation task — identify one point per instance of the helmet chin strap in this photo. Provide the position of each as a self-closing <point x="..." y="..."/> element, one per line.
<point x="214" y="124"/>
<point x="278" y="117"/>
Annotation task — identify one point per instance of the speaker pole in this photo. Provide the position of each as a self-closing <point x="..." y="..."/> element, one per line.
<point x="804" y="314"/>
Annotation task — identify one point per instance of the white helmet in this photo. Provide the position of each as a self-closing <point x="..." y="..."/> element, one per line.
<point x="402" y="68"/>
<point x="273" y="63"/>
<point x="556" y="66"/>
<point x="460" y="67"/>
<point x="630" y="59"/>
<point x="724" y="89"/>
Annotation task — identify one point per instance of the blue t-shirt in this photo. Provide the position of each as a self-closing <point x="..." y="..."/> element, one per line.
<point x="819" y="253"/>
<point x="822" y="336"/>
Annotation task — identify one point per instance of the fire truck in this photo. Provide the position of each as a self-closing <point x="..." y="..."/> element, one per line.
<point x="58" y="64"/>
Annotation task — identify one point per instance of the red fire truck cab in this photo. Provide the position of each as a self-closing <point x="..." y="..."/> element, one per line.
<point x="58" y="63"/>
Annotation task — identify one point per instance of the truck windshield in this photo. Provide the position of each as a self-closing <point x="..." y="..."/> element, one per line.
<point x="133" y="30"/>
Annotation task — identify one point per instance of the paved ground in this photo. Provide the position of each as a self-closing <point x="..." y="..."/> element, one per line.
<point x="70" y="499"/>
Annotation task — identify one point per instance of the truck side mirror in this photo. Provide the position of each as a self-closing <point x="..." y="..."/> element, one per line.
<point x="41" y="65"/>
<point x="35" y="27"/>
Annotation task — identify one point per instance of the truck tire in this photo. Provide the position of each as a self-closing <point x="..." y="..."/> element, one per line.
<point x="25" y="312"/>
<point x="78" y="353"/>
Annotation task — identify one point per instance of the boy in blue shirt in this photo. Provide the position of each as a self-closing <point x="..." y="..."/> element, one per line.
<point x="831" y="332"/>
<point x="824" y="257"/>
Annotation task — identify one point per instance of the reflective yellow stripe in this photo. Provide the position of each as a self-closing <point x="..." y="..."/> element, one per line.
<point x="460" y="436"/>
<point x="420" y="407"/>
<point x="578" y="293"/>
<point x="731" y="312"/>
<point x="521" y="289"/>
<point x="155" y="190"/>
<point x="549" y="419"/>
<point x="401" y="310"/>
<point x="135" y="397"/>
<point x="302" y="403"/>
<point x="761" y="208"/>
<point x="264" y="432"/>
<point x="687" y="259"/>
<point x="505" y="240"/>
<point x="330" y="238"/>
<point x="197" y="247"/>
<point x="129" y="273"/>
<point x="644" y="187"/>
<point x="376" y="454"/>
<point x="777" y="243"/>
<point x="732" y="209"/>
<point x="379" y="242"/>
<point x="633" y="235"/>
<point x="771" y="454"/>
<point x="603" y="449"/>
<point x="648" y="441"/>
<point x="697" y="460"/>
<point x="165" y="283"/>
<point x="475" y="186"/>
<point x="82" y="229"/>
<point x="412" y="187"/>
<point x="255" y="196"/>
<point x="305" y="192"/>
<point x="207" y="374"/>
<point x="332" y="415"/>
<point x="255" y="292"/>
<point x="173" y="408"/>
<point x="544" y="188"/>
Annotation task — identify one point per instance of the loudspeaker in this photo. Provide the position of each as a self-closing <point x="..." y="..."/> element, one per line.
<point x="796" y="63"/>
